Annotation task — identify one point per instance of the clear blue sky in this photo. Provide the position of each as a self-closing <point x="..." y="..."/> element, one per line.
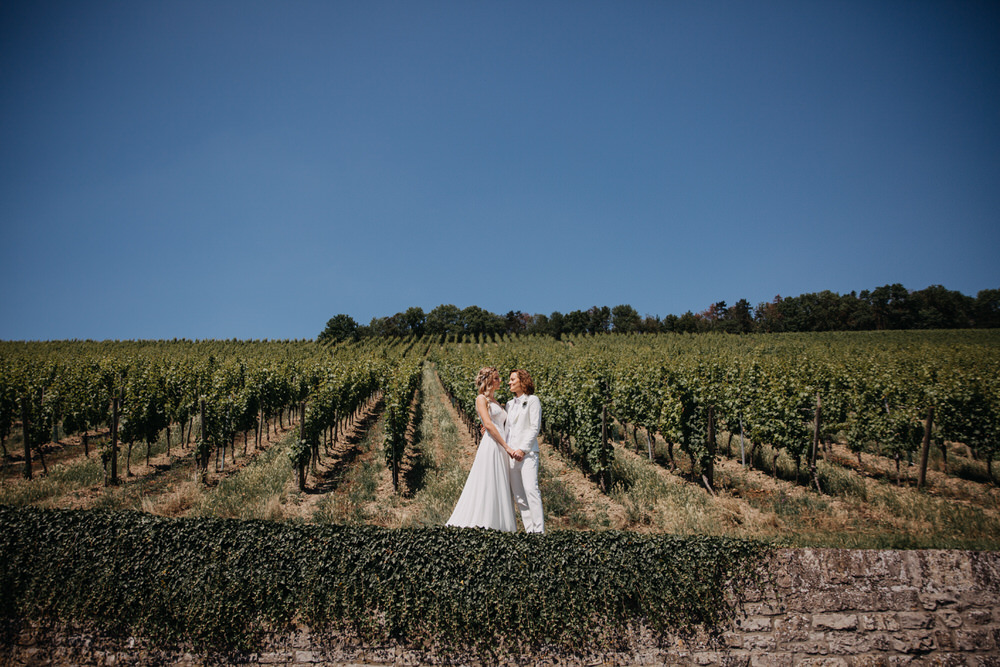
<point x="250" y="169"/>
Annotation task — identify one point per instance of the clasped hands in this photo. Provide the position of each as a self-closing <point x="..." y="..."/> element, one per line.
<point x="516" y="454"/>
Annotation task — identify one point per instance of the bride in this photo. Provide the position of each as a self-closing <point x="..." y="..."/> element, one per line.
<point x="486" y="500"/>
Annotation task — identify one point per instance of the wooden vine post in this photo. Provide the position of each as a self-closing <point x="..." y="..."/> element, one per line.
<point x="743" y="451"/>
<point x="27" y="437"/>
<point x="300" y="474"/>
<point x="203" y="442"/>
<point x="314" y="445"/>
<point x="925" y="447"/>
<point x="113" y="480"/>
<point x="604" y="443"/>
<point x="817" y="420"/>
<point x="395" y="471"/>
<point x="709" y="476"/>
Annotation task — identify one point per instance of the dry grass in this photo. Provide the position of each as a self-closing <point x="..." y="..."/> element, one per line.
<point x="180" y="500"/>
<point x="861" y="506"/>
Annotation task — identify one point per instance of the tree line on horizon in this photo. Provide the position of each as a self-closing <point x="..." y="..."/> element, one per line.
<point x="886" y="307"/>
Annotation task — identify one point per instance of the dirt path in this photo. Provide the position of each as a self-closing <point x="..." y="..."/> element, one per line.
<point x="332" y="474"/>
<point x="395" y="508"/>
<point x="435" y="449"/>
<point x="589" y="507"/>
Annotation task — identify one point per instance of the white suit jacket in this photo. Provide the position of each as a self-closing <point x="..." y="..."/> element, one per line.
<point x="524" y="418"/>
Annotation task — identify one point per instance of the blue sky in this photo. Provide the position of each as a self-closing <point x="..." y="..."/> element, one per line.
<point x="250" y="169"/>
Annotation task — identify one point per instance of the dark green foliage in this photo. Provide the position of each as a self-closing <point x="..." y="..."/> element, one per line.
<point x="338" y="328"/>
<point x="886" y="307"/>
<point x="225" y="584"/>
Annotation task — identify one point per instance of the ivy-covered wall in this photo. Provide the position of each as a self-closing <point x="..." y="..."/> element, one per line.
<point x="98" y="588"/>
<point x="222" y="585"/>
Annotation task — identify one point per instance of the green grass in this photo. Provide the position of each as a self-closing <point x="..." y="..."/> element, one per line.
<point x="61" y="480"/>
<point x="444" y="477"/>
<point x="255" y="490"/>
<point x="665" y="503"/>
<point x="346" y="505"/>
<point x="80" y="473"/>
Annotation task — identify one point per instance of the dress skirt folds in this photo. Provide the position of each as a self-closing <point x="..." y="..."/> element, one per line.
<point x="486" y="500"/>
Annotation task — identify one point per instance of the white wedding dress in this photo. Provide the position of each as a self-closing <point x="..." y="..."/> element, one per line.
<point x="486" y="500"/>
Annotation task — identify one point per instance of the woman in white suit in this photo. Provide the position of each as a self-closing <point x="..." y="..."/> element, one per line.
<point x="524" y="419"/>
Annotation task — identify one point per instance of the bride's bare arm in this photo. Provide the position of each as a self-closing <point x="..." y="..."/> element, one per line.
<point x="483" y="408"/>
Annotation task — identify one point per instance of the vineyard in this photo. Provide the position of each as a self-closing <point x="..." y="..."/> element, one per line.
<point x="697" y="451"/>
<point x="861" y="439"/>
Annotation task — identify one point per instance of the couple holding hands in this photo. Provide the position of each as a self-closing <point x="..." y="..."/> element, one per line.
<point x="505" y="471"/>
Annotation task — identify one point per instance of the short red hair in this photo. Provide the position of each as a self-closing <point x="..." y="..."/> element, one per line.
<point x="527" y="384"/>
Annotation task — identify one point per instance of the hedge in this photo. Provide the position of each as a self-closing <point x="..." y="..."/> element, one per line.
<point x="223" y="584"/>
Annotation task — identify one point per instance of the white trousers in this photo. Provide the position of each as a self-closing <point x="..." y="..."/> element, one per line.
<point x="527" y="496"/>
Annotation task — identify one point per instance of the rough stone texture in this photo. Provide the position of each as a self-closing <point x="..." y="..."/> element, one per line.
<point x="825" y="608"/>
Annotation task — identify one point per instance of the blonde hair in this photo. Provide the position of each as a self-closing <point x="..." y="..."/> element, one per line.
<point x="487" y="376"/>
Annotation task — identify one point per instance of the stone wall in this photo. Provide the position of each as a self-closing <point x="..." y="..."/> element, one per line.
<point x="827" y="607"/>
<point x="846" y="607"/>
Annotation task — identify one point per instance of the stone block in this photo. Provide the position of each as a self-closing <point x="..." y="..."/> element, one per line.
<point x="794" y="605"/>
<point x="877" y="622"/>
<point x="761" y="642"/>
<point x="772" y="660"/>
<point x="841" y="566"/>
<point x="853" y="599"/>
<point x="305" y="657"/>
<point x="783" y="580"/>
<point x="978" y="599"/>
<point x="914" y="642"/>
<point x="945" y="640"/>
<point x="711" y="658"/>
<point x="814" y="644"/>
<point x="870" y="661"/>
<point x="980" y="617"/>
<point x="946" y="660"/>
<point x="978" y="639"/>
<point x="835" y="621"/>
<point x="932" y="601"/>
<point x="915" y="620"/>
<point x="764" y="609"/>
<point x="754" y="624"/>
<point x="950" y="618"/>
<point x="880" y="641"/>
<point x="849" y="643"/>
<point x="792" y="628"/>
<point x="902" y="598"/>
<point x="823" y="662"/>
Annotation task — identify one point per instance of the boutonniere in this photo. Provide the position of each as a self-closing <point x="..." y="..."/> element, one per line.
<point x="524" y="402"/>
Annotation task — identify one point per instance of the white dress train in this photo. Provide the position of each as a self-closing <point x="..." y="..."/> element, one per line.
<point x="486" y="501"/>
